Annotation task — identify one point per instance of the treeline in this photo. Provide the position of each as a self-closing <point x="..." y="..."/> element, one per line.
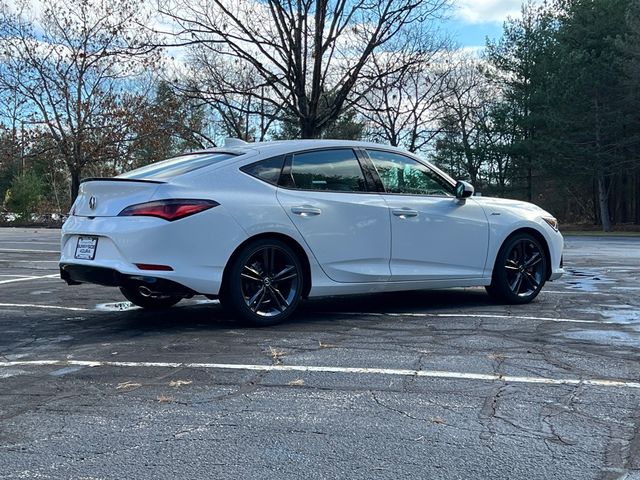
<point x="547" y="113"/>
<point x="553" y="113"/>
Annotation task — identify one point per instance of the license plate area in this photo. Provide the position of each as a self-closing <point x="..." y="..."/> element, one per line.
<point x="86" y="248"/>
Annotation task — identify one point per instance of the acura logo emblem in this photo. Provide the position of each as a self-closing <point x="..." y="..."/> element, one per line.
<point x="92" y="203"/>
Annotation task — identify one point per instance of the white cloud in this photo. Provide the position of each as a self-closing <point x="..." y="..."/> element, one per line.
<point x="484" y="11"/>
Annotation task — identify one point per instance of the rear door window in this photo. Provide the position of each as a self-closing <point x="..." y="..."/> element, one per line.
<point x="331" y="170"/>
<point x="173" y="167"/>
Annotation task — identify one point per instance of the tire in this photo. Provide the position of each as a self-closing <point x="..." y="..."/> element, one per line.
<point x="264" y="284"/>
<point x="520" y="270"/>
<point x="137" y="298"/>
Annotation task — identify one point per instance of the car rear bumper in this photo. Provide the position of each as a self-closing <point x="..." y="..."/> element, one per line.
<point x="76" y="274"/>
<point x="195" y="249"/>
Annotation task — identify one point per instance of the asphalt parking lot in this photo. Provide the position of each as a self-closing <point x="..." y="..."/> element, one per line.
<point x="428" y="385"/>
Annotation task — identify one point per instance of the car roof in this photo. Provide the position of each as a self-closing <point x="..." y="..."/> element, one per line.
<point x="276" y="147"/>
<point x="283" y="147"/>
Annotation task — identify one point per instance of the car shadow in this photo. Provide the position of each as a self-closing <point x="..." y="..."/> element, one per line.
<point x="420" y="301"/>
<point x="211" y="316"/>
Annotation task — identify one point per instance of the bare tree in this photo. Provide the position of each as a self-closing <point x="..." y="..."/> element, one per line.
<point x="70" y="66"/>
<point x="463" y="113"/>
<point x="305" y="52"/>
<point x="234" y="91"/>
<point x="404" y="109"/>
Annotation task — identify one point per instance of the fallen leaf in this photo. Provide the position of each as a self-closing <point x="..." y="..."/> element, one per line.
<point x="179" y="383"/>
<point x="438" y="420"/>
<point x="296" y="383"/>
<point x="497" y="356"/>
<point x="276" y="354"/>
<point x="124" y="385"/>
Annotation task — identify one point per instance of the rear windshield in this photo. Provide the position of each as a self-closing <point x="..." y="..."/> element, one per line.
<point x="176" y="166"/>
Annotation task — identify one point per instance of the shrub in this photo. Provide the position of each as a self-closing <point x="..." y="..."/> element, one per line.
<point x="25" y="194"/>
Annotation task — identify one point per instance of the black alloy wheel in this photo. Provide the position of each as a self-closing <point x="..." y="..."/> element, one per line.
<point x="520" y="271"/>
<point x="265" y="283"/>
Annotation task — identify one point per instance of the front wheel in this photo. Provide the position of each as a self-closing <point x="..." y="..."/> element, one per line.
<point x="520" y="270"/>
<point x="264" y="285"/>
<point x="141" y="297"/>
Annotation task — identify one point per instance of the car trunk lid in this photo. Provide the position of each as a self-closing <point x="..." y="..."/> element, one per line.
<point x="107" y="197"/>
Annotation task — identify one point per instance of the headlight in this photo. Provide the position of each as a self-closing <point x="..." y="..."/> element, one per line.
<point x="553" y="223"/>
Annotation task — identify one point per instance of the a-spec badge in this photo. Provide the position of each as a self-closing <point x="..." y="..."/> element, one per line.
<point x="92" y="203"/>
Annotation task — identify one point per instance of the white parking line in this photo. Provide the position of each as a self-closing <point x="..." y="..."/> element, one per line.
<point x="479" y="315"/>
<point x="573" y="292"/>
<point x="35" y="305"/>
<point x="28" y="261"/>
<point x="18" y="242"/>
<point x="27" y="251"/>
<point x="25" y="279"/>
<point x="327" y="369"/>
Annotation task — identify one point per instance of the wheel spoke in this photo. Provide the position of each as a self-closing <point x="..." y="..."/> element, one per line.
<point x="281" y="298"/>
<point x="253" y="271"/>
<point x="255" y="301"/>
<point x="531" y="280"/>
<point x="251" y="274"/>
<point x="276" y="300"/>
<point x="511" y="265"/>
<point x="285" y="274"/>
<point x="534" y="260"/>
<point x="515" y="286"/>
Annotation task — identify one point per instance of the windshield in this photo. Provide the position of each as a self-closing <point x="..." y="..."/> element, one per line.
<point x="175" y="166"/>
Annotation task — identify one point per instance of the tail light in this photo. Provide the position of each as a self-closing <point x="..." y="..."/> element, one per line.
<point x="173" y="209"/>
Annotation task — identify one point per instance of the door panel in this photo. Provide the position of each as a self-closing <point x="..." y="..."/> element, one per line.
<point x="437" y="238"/>
<point x="434" y="235"/>
<point x="349" y="233"/>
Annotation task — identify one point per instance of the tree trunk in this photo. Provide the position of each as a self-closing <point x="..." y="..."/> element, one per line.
<point x="308" y="128"/>
<point x="529" y="181"/>
<point x="603" y="201"/>
<point x="75" y="184"/>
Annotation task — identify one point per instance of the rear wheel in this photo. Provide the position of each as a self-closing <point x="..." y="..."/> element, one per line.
<point x="264" y="284"/>
<point x="520" y="271"/>
<point x="142" y="297"/>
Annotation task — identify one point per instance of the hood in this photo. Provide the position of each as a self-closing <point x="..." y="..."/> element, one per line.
<point x="499" y="205"/>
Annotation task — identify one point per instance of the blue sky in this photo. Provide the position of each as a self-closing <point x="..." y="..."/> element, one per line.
<point x="472" y="35"/>
<point x="471" y="21"/>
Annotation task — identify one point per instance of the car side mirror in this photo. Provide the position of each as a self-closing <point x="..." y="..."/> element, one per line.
<point x="463" y="189"/>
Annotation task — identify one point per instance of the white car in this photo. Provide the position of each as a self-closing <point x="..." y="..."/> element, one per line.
<point x="263" y="225"/>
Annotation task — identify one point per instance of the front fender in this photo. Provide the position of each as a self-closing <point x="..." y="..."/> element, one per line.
<point x="504" y="224"/>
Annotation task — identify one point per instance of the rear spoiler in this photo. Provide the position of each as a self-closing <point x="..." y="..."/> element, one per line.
<point x="116" y="179"/>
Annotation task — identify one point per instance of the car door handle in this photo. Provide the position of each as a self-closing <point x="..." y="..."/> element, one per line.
<point x="404" y="212"/>
<point x="306" y="211"/>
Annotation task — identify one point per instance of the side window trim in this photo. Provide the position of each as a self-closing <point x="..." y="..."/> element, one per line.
<point x="286" y="177"/>
<point x="381" y="184"/>
<point x="374" y="182"/>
